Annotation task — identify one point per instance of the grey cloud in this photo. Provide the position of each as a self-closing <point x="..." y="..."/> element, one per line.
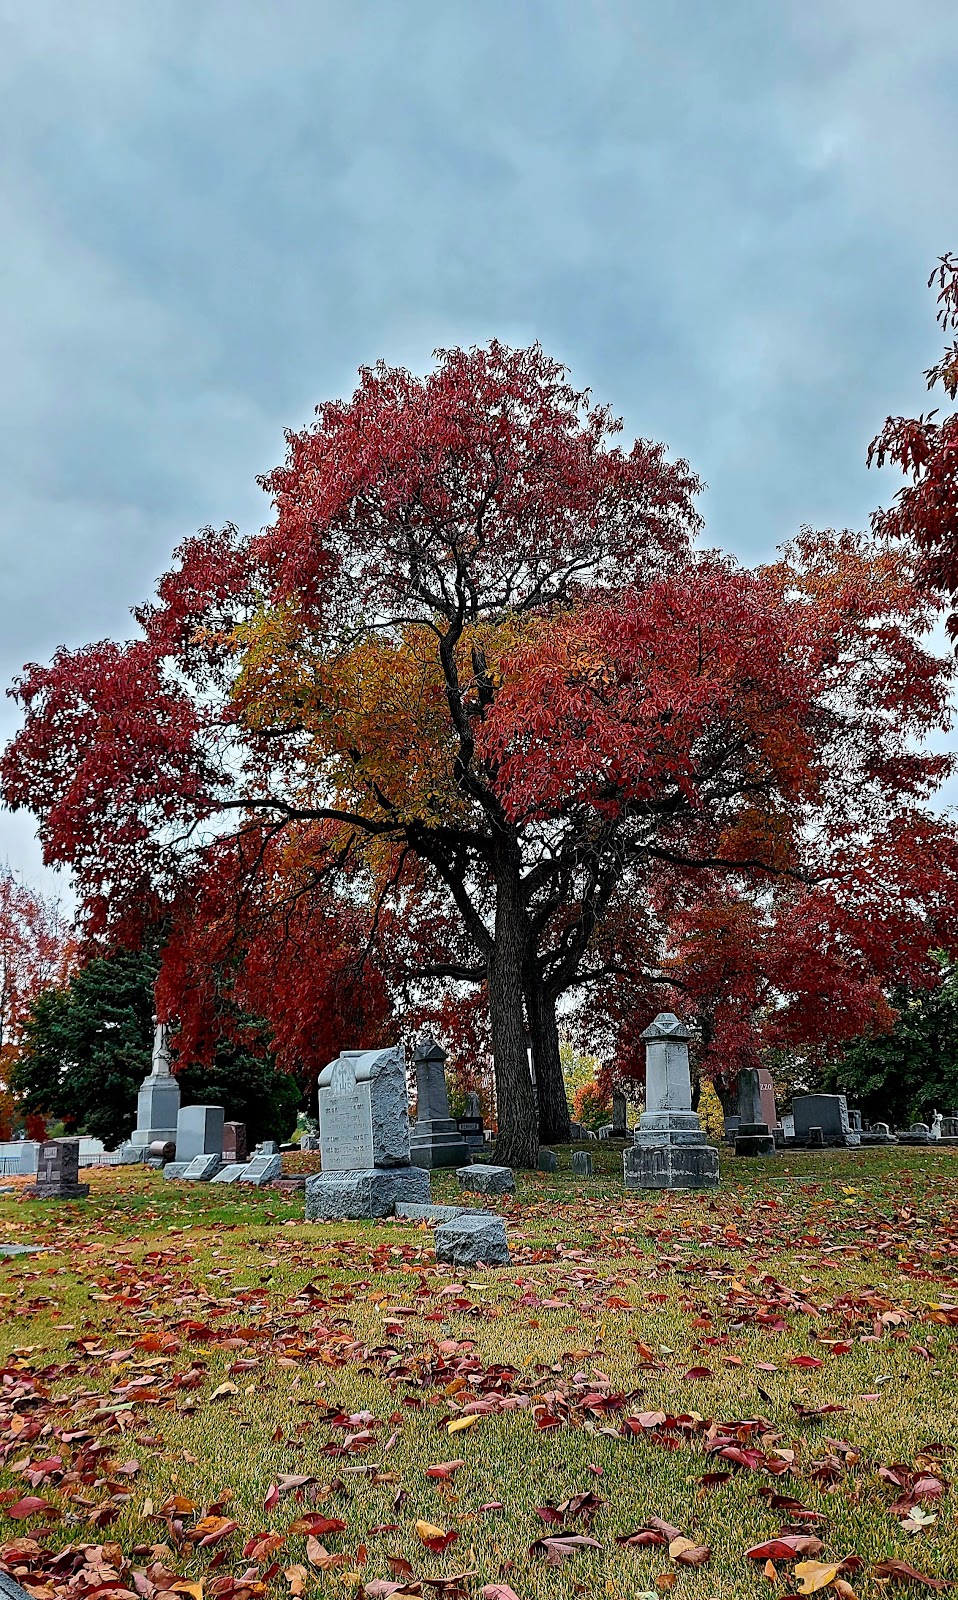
<point x="721" y="216"/>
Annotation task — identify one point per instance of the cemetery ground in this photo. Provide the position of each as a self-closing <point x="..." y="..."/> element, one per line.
<point x="204" y="1395"/>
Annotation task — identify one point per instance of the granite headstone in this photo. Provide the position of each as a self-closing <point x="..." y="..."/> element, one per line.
<point x="670" y="1150"/>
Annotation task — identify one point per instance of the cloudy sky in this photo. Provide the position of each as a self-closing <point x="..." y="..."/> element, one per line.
<point x="720" y="213"/>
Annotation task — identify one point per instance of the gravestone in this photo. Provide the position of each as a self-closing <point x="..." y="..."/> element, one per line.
<point x="229" y="1174"/>
<point x="670" y="1150"/>
<point x="829" y="1112"/>
<point x="471" y="1241"/>
<point x="435" y="1140"/>
<point x="267" y="1147"/>
<point x="199" y="1132"/>
<point x="620" y="1124"/>
<point x="582" y="1163"/>
<point x="364" y="1139"/>
<point x="472" y="1132"/>
<point x="58" y="1166"/>
<point x="202" y="1168"/>
<point x="487" y="1180"/>
<point x="174" y="1169"/>
<point x="576" y="1132"/>
<point x="816" y="1139"/>
<point x="918" y="1133"/>
<point x="158" y="1102"/>
<point x="234" y="1141"/>
<point x="854" y="1120"/>
<point x="753" y="1137"/>
<point x="263" y="1168"/>
<point x="430" y="1213"/>
<point x="766" y="1089"/>
<point x="547" y="1161"/>
<point x="309" y="1141"/>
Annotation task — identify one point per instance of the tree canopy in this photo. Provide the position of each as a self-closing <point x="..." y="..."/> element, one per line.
<point x="471" y="726"/>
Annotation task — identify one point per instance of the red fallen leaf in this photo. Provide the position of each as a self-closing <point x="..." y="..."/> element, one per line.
<point x="785" y="1548"/>
<point x="901" y="1569"/>
<point x="31" y="1506"/>
<point x="709" y="1480"/>
<point x="399" y="1566"/>
<point x="271" y="1498"/>
<point x="444" y="1469"/>
<point x="317" y="1525"/>
<point x="214" y="1530"/>
<point x="807" y="1363"/>
<point x="549" y="1514"/>
<point x="928" y="1488"/>
<point x="699" y="1372"/>
<point x="498" y="1591"/>
<point x="642" y="1539"/>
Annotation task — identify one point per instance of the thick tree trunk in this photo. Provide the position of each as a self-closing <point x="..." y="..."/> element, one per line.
<point x="554" y="1121"/>
<point x="517" y="1141"/>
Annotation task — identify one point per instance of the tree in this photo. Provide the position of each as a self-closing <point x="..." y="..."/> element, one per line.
<point x="925" y="449"/>
<point x="907" y="1074"/>
<point x="36" y="951"/>
<point x="471" y="718"/>
<point x="88" y="1047"/>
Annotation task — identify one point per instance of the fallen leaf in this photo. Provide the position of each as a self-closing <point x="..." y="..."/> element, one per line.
<point x="813" y="1575"/>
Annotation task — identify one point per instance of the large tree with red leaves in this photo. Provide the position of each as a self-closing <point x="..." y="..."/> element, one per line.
<point x="470" y="714"/>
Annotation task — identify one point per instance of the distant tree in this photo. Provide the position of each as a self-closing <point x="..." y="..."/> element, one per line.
<point x="88" y="1046"/>
<point x="37" y="949"/>
<point x="592" y="1105"/>
<point x="906" y="1075"/>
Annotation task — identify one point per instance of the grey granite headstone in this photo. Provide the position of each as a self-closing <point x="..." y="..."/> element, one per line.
<point x="57" y="1178"/>
<point x="199" y="1132"/>
<point x="430" y="1213"/>
<point x="472" y="1131"/>
<point x="548" y="1161"/>
<point x="158" y="1102"/>
<point x="262" y="1169"/>
<point x="202" y="1168"/>
<point x="582" y="1163"/>
<point x="364" y="1139"/>
<point x="22" y="1249"/>
<point x="829" y="1112"/>
<point x="231" y="1173"/>
<point x="479" y="1179"/>
<point x="670" y="1150"/>
<point x="435" y="1140"/>
<point x="175" y="1169"/>
<point x="472" y="1241"/>
<point x="369" y="1192"/>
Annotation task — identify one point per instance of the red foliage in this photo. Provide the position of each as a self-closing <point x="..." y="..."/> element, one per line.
<point x="925" y="449"/>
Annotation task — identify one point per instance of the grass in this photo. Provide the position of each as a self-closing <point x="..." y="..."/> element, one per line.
<point x="608" y="1294"/>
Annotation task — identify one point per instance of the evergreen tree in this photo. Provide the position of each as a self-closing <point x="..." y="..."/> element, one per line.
<point x="906" y="1075"/>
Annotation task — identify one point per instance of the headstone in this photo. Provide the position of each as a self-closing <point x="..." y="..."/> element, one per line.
<point x="854" y="1120"/>
<point x="234" y="1141"/>
<point x="132" y="1154"/>
<point x="416" y="1213"/>
<point x="267" y="1147"/>
<point x="22" y="1249"/>
<point x="576" y="1132"/>
<point x="548" y="1161"/>
<point x="364" y="1139"/>
<point x="816" y="1139"/>
<point x="229" y="1174"/>
<point x="158" y="1102"/>
<point x="309" y="1141"/>
<point x="620" y="1125"/>
<point x="262" y="1169"/>
<point x="766" y="1089"/>
<point x="435" y="1140"/>
<point x="826" y="1111"/>
<point x="472" y="1241"/>
<point x="670" y="1150"/>
<point x="202" y="1168"/>
<point x="199" y="1132"/>
<point x="731" y="1127"/>
<point x="175" y="1169"/>
<point x="487" y="1180"/>
<point x="471" y="1131"/>
<point x="582" y="1163"/>
<point x="58" y="1166"/>
<point x="753" y="1136"/>
<point x="473" y="1108"/>
<point x="162" y="1150"/>
<point x="918" y="1133"/>
<point x="605" y="1132"/>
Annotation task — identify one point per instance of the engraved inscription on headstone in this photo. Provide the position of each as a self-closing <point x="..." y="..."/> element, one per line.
<point x="345" y="1121"/>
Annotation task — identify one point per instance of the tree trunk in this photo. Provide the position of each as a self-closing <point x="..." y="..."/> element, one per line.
<point x="554" y="1121"/>
<point x="517" y="1141"/>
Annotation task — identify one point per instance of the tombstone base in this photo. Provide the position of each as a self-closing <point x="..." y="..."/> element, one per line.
<point x="916" y="1138"/>
<point x="473" y="1241"/>
<point x="369" y="1192"/>
<point x="437" y="1144"/>
<point x="476" y="1179"/>
<point x="57" y="1191"/>
<point x="754" y="1139"/>
<point x="671" y="1166"/>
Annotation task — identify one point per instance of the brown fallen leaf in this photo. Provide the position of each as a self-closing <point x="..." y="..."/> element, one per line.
<point x="296" y="1578"/>
<point x="902" y="1569"/>
<point x="688" y="1553"/>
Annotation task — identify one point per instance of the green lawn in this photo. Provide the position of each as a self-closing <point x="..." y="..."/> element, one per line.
<point x="177" y="1352"/>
